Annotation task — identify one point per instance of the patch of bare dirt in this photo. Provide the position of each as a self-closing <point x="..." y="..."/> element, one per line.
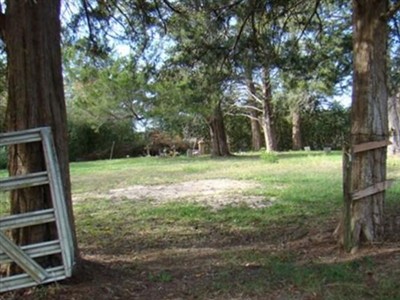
<point x="215" y="193"/>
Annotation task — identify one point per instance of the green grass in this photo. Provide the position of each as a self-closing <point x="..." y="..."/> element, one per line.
<point x="284" y="250"/>
<point x="277" y="271"/>
<point x="306" y="188"/>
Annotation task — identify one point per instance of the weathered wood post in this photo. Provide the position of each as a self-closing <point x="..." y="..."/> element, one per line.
<point x="356" y="197"/>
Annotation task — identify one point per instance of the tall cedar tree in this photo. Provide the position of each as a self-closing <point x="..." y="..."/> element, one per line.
<point x="364" y="219"/>
<point x="31" y="32"/>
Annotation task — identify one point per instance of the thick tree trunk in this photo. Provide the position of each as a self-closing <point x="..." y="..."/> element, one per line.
<point x="256" y="137"/>
<point x="36" y="98"/>
<point x="219" y="144"/>
<point x="394" y="123"/>
<point x="296" y="130"/>
<point x="363" y="218"/>
<point x="268" y="116"/>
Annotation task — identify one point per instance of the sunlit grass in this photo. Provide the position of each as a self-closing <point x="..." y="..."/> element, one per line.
<point x="4" y="203"/>
<point x="306" y="190"/>
<point x="250" y="252"/>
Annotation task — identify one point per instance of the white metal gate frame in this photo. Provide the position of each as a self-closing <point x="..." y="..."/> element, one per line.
<point x="24" y="256"/>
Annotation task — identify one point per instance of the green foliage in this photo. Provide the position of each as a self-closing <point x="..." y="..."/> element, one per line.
<point x="239" y="133"/>
<point x="114" y="92"/>
<point x="326" y="127"/>
<point x="177" y="106"/>
<point x="269" y="157"/>
<point x="210" y="47"/>
<point x="105" y="103"/>
<point x="87" y="143"/>
<point x="322" y="57"/>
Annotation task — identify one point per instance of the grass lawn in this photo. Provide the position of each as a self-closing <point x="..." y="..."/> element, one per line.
<point x="232" y="228"/>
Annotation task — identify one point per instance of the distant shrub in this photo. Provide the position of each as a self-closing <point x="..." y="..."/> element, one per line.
<point x="269" y="157"/>
<point x="3" y="158"/>
<point x="89" y="143"/>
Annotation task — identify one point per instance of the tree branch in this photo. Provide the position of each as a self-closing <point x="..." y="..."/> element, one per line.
<point x="229" y="6"/>
<point x="250" y="107"/>
<point x="241" y="31"/>
<point x="89" y="23"/>
<point x="2" y="23"/>
<point x="161" y="17"/>
<point x="243" y="115"/>
<point x="2" y="26"/>
<point x="254" y="96"/>
<point x="392" y="10"/>
<point x="127" y="19"/>
<point x="396" y="26"/>
<point x="170" y="6"/>
<point x="134" y="113"/>
<point x="315" y="12"/>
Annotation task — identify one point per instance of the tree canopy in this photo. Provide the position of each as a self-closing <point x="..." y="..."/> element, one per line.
<point x="187" y="60"/>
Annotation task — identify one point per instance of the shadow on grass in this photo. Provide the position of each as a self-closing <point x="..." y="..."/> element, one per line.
<point x="257" y="272"/>
<point x="197" y="254"/>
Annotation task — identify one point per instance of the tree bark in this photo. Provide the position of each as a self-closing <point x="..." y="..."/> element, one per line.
<point x="296" y="130"/>
<point x="268" y="116"/>
<point x="36" y="98"/>
<point x="256" y="137"/>
<point x="394" y="123"/>
<point x="369" y="122"/>
<point x="219" y="144"/>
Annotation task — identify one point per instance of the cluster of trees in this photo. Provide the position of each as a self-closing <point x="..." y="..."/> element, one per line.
<point x="200" y="68"/>
<point x="198" y="65"/>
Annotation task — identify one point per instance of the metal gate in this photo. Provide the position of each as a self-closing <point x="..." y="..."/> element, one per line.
<point x="24" y="256"/>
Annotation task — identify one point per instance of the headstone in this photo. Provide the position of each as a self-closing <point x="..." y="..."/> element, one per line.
<point x="202" y="147"/>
